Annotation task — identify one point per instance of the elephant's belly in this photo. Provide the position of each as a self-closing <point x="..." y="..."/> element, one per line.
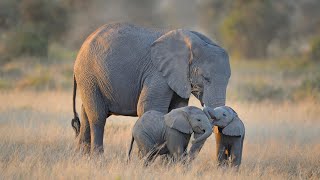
<point x="124" y="112"/>
<point x="122" y="108"/>
<point x="121" y="98"/>
<point x="122" y="105"/>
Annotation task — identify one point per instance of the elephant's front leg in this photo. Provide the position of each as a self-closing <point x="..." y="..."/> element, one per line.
<point x="177" y="102"/>
<point x="155" y="95"/>
<point x="236" y="152"/>
<point x="220" y="150"/>
<point x="177" y="143"/>
<point x="178" y="153"/>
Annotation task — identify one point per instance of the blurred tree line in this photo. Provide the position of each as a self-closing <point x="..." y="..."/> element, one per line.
<point x="28" y="26"/>
<point x="265" y="28"/>
<point x="247" y="28"/>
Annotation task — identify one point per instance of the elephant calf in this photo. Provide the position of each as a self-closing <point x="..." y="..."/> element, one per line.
<point x="156" y="133"/>
<point x="229" y="133"/>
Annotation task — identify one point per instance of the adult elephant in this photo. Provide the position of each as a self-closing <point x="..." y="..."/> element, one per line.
<point x="123" y="69"/>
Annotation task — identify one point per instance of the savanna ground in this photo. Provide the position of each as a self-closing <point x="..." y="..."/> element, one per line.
<point x="277" y="100"/>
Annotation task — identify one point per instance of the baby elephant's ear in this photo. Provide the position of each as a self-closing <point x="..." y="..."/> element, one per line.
<point x="235" y="128"/>
<point x="177" y="119"/>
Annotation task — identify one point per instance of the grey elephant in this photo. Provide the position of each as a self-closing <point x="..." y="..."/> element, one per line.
<point x="229" y="135"/>
<point x="157" y="133"/>
<point x="123" y="69"/>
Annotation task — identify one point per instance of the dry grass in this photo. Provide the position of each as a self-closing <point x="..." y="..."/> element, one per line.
<point x="36" y="142"/>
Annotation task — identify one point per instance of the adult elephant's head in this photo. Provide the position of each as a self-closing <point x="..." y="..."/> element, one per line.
<point x="192" y="63"/>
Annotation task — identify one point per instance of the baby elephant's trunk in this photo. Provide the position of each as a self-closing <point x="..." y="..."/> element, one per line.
<point x="205" y="135"/>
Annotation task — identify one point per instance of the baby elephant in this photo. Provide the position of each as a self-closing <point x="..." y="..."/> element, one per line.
<point x="157" y="133"/>
<point x="232" y="132"/>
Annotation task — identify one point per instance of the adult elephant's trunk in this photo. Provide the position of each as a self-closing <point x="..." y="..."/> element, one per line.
<point x="205" y="135"/>
<point x="215" y="96"/>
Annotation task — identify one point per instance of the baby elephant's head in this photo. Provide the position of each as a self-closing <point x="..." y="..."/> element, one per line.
<point x="222" y="116"/>
<point x="225" y="117"/>
<point x="189" y="120"/>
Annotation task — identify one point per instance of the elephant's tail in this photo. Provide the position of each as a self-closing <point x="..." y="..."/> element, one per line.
<point x="130" y="148"/>
<point x="75" y="122"/>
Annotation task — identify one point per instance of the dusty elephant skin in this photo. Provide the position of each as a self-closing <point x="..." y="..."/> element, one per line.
<point x="157" y="133"/>
<point x="229" y="138"/>
<point x="123" y="69"/>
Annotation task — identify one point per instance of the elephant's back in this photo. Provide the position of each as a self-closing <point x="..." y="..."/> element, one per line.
<point x="117" y="39"/>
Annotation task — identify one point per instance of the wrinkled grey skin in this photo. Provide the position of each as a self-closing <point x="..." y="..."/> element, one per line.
<point x="157" y="133"/>
<point x="230" y="140"/>
<point x="123" y="69"/>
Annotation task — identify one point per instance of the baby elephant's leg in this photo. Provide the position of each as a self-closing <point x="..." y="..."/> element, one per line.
<point x="152" y="155"/>
<point x="177" y="143"/>
<point x="221" y="155"/>
<point x="150" y="152"/>
<point x="145" y="145"/>
<point x="220" y="150"/>
<point x="236" y="153"/>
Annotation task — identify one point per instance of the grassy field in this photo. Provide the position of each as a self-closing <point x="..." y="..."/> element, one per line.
<point x="277" y="100"/>
<point x="37" y="142"/>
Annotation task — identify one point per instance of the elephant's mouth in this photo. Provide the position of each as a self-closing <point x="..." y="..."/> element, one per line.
<point x="197" y="91"/>
<point x="202" y="104"/>
<point x="201" y="130"/>
<point x="214" y="118"/>
<point x="214" y="121"/>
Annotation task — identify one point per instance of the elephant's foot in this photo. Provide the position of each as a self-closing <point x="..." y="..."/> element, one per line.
<point x="97" y="151"/>
<point x="84" y="148"/>
<point x="223" y="159"/>
<point x="223" y="163"/>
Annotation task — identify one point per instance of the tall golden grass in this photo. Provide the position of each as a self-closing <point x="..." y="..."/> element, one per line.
<point x="37" y="142"/>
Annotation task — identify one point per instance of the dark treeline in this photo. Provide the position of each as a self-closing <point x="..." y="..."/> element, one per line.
<point x="246" y="28"/>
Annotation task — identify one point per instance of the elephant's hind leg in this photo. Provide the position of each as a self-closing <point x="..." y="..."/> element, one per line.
<point x="97" y="132"/>
<point x="147" y="149"/>
<point x="97" y="112"/>
<point x="84" y="138"/>
<point x="151" y="156"/>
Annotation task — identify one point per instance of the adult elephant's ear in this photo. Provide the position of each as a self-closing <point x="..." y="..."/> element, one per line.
<point x="177" y="119"/>
<point x="204" y="38"/>
<point x="235" y="128"/>
<point x="172" y="55"/>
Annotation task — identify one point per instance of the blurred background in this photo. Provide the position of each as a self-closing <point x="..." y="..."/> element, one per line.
<point x="274" y="46"/>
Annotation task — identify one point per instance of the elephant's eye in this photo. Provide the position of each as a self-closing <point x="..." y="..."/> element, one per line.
<point x="206" y="79"/>
<point x="199" y="120"/>
<point x="224" y="114"/>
